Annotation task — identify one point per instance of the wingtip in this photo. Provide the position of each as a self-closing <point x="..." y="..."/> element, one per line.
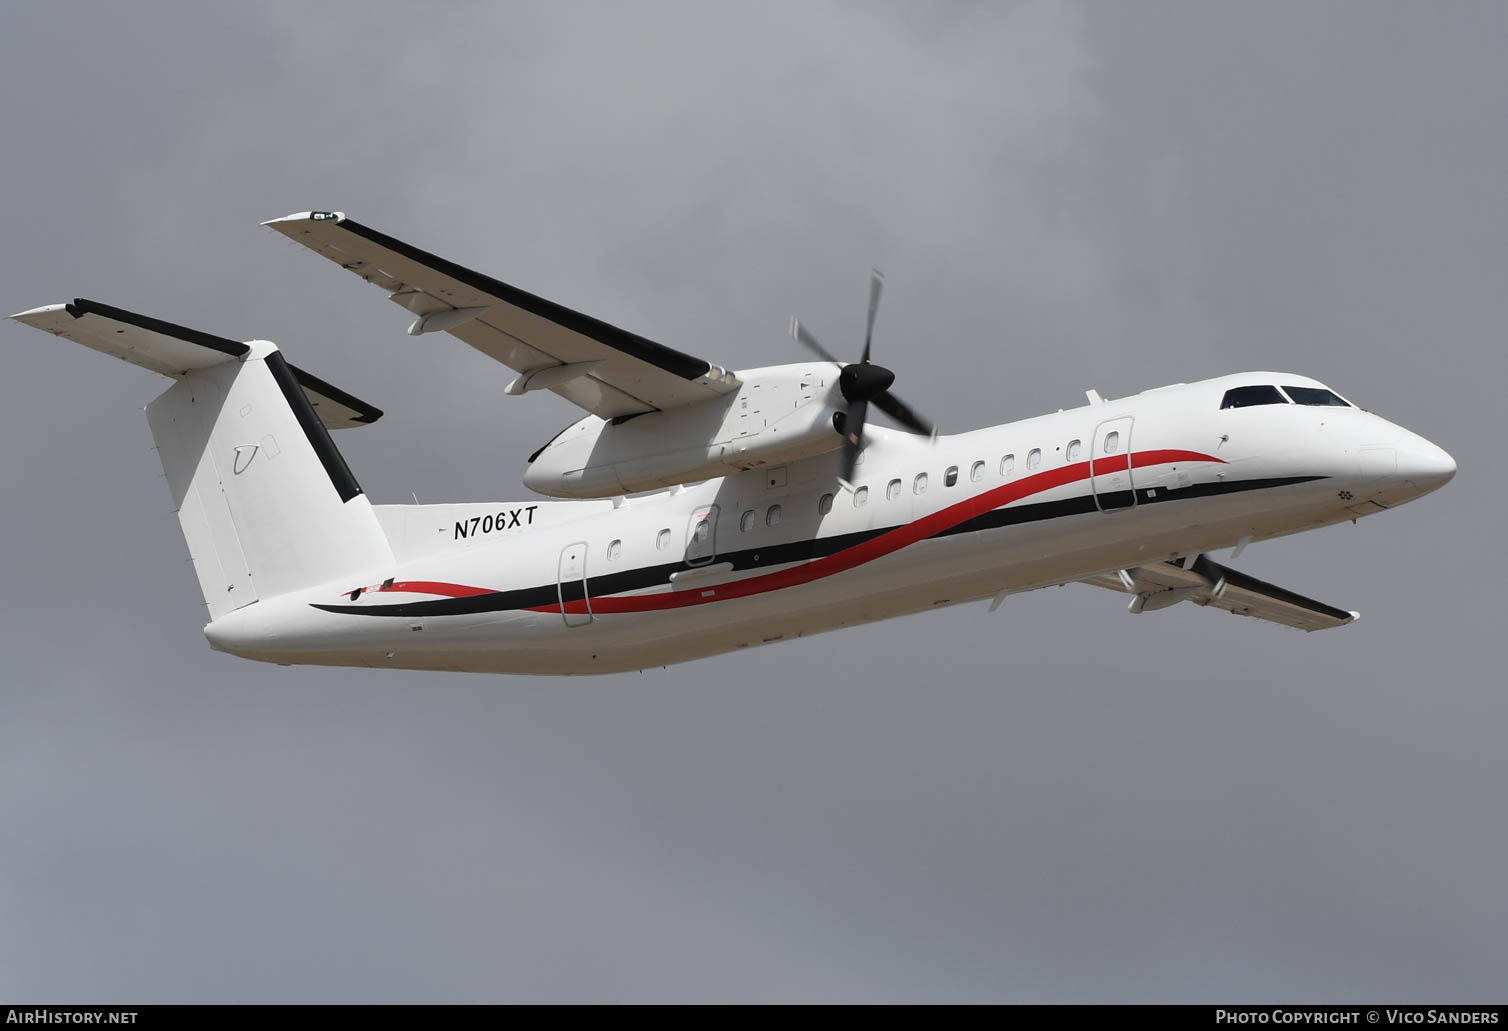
<point x="308" y="216"/>
<point x="46" y="309"/>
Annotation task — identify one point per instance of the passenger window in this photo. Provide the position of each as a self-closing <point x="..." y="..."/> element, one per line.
<point x="861" y="497"/>
<point x="951" y="476"/>
<point x="746" y="521"/>
<point x="614" y="550"/>
<point x="1246" y="397"/>
<point x="662" y="540"/>
<point x="1316" y="396"/>
<point x="1008" y="465"/>
<point x="772" y="516"/>
<point x="1073" y="451"/>
<point x="976" y="471"/>
<point x="892" y="490"/>
<point x="1034" y="458"/>
<point x="1112" y="442"/>
<point x="824" y="504"/>
<point x="919" y="485"/>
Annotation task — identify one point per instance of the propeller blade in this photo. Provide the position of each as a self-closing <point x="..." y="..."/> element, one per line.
<point x="803" y="336"/>
<point x="904" y="414"/>
<point x="876" y="284"/>
<point x="853" y="437"/>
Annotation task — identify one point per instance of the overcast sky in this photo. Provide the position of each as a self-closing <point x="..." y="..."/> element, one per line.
<point x="1054" y="802"/>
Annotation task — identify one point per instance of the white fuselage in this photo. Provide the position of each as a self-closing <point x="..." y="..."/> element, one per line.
<point x="776" y="553"/>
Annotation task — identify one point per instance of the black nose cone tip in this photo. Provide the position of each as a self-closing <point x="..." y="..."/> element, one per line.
<point x="864" y="381"/>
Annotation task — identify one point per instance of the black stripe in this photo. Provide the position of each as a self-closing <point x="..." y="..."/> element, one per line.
<point x="658" y="355"/>
<point x="319" y="438"/>
<point x="610" y="584"/>
<point x="81" y="306"/>
<point x="309" y="381"/>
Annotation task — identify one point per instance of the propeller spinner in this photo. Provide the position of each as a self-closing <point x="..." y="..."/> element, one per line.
<point x="862" y="383"/>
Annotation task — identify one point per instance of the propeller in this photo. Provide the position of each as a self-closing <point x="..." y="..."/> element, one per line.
<point x="862" y="383"/>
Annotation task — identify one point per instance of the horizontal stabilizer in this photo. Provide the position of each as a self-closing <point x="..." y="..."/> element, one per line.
<point x="1204" y="581"/>
<point x="175" y="351"/>
<point x="151" y="343"/>
<point x="335" y="408"/>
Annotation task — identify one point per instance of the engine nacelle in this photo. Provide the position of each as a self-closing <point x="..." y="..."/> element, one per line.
<point x="777" y="415"/>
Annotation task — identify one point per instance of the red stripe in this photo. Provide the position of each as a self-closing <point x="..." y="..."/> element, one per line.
<point x="431" y="587"/>
<point x="886" y="543"/>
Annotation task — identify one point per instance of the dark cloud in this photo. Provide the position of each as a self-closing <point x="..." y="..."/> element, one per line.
<point x="1053" y="802"/>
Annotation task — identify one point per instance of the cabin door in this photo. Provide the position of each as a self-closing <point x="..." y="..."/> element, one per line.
<point x="1110" y="464"/>
<point x="701" y="536"/>
<point x="572" y="586"/>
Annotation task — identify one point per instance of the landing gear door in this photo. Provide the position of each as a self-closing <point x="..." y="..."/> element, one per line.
<point x="701" y="536"/>
<point x="1110" y="473"/>
<point x="575" y="605"/>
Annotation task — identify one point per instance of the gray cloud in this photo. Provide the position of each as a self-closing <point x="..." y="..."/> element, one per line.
<point x="1053" y="802"/>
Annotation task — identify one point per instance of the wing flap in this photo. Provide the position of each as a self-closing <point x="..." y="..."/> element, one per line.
<point x="1206" y="582"/>
<point x="525" y="332"/>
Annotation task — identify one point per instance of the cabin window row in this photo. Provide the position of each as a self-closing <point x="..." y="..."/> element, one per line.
<point x="772" y="515"/>
<point x="750" y="519"/>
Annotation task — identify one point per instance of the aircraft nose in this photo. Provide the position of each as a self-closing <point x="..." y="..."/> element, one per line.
<point x="1425" y="465"/>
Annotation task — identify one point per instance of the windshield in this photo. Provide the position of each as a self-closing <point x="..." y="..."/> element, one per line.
<point x="1245" y="397"/>
<point x="1316" y="396"/>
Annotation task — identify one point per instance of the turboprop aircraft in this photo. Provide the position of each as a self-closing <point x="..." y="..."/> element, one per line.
<point x="700" y="509"/>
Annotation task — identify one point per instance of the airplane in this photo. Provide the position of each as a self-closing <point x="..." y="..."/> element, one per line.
<point x="696" y="510"/>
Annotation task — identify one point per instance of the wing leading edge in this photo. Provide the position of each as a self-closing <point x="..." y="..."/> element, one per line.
<point x="608" y="371"/>
<point x="1203" y="581"/>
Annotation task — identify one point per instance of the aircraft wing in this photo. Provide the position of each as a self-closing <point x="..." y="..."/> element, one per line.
<point x="608" y="371"/>
<point x="1204" y="581"/>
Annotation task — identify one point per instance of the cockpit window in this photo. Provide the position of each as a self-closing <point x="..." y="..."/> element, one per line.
<point x="1245" y="397"/>
<point x="1316" y="396"/>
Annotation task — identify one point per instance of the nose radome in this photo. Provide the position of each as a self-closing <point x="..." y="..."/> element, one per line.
<point x="1425" y="465"/>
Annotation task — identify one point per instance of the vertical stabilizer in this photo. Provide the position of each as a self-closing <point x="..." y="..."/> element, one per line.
<point x="266" y="502"/>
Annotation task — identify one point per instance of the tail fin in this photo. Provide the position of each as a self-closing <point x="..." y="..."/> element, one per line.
<point x="266" y="502"/>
